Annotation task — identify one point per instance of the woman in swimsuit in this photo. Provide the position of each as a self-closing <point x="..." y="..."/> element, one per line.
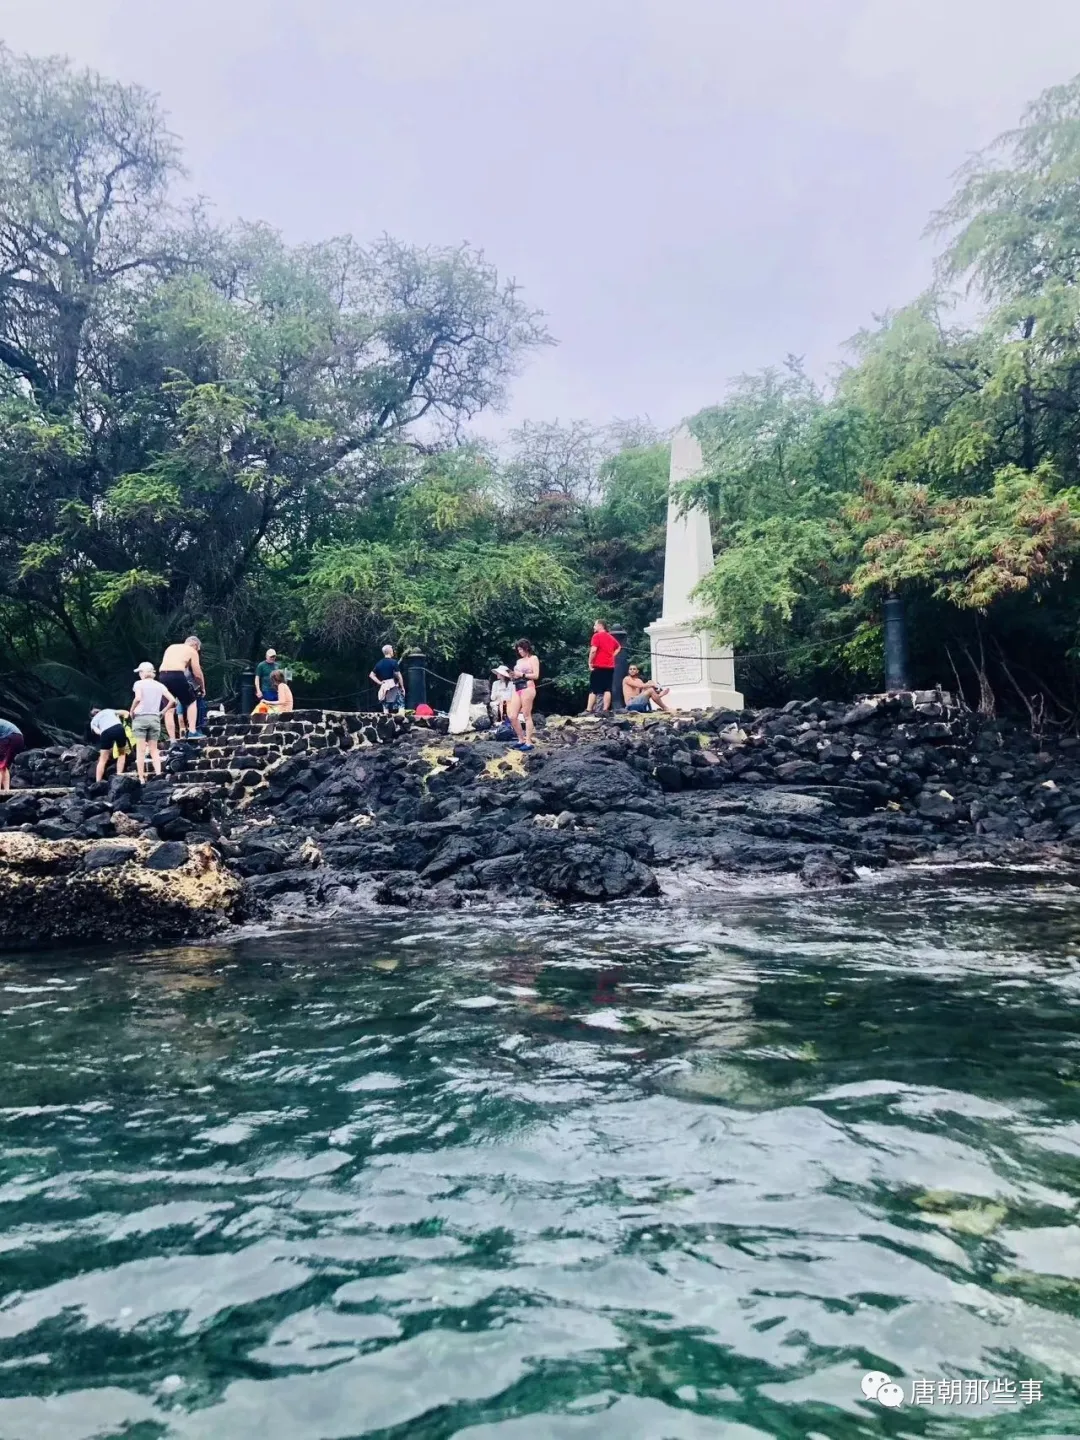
<point x="520" y="708"/>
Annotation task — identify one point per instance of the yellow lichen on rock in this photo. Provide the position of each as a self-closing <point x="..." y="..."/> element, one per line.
<point x="47" y="897"/>
<point x="510" y="766"/>
<point x="436" y="753"/>
<point x="310" y="854"/>
<point x="24" y="851"/>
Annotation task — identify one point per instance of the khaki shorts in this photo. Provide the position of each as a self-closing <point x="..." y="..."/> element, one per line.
<point x="146" y="727"/>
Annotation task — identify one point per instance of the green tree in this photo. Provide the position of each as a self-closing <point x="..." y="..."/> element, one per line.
<point x="439" y="570"/>
<point x="85" y="166"/>
<point x="187" y="415"/>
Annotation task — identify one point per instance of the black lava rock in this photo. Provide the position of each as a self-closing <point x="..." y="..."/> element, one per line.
<point x="824" y="869"/>
<point x="934" y="805"/>
<point x="170" y="855"/>
<point x="571" y="869"/>
<point x="108" y="857"/>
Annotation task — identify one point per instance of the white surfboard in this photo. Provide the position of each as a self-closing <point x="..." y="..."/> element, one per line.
<point x="460" y="720"/>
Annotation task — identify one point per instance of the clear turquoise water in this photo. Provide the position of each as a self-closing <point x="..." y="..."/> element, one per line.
<point x="659" y="1173"/>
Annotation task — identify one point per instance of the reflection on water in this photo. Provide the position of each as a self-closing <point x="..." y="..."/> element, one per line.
<point x="639" y="1175"/>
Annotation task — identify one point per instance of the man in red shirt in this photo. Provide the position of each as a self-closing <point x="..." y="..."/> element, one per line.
<point x="603" y="647"/>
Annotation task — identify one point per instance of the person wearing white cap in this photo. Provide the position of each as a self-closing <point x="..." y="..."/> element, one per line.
<point x="150" y="698"/>
<point x="263" y="671"/>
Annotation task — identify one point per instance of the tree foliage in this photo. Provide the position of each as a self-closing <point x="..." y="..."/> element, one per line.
<point x="441" y="572"/>
<point x="84" y="171"/>
<point x="190" y="415"/>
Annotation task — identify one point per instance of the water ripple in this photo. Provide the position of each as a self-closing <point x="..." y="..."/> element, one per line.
<point x="645" y="1174"/>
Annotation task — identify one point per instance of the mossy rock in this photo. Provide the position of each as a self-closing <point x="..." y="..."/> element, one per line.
<point x="979" y="1218"/>
<point x="1039" y="1286"/>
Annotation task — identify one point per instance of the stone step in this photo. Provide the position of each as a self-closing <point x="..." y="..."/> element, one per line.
<point x="314" y="730"/>
<point x="268" y="742"/>
<point x="216" y="752"/>
<point x="38" y="790"/>
<point x="248" y="777"/>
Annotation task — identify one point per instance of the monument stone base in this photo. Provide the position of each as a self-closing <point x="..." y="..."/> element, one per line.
<point x="699" y="672"/>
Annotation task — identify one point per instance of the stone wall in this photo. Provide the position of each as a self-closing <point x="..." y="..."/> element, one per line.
<point x="239" y="752"/>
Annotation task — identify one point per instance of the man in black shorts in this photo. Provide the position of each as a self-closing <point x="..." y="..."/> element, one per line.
<point x="603" y="647"/>
<point x="107" y="729"/>
<point x="184" y="688"/>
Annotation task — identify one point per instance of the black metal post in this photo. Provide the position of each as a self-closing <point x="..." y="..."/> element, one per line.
<point x="247" y="691"/>
<point x="896" y="662"/>
<point x="622" y="664"/>
<point x="415" y="680"/>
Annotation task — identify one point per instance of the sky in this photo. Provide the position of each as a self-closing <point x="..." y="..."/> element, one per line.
<point x="689" y="189"/>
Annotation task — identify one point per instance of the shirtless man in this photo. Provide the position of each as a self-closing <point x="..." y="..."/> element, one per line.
<point x="637" y="692"/>
<point x="177" y="661"/>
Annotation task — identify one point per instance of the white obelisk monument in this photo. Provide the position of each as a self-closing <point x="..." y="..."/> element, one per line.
<point x="700" y="672"/>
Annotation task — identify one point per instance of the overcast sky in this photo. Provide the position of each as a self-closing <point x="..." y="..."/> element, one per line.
<point x="688" y="188"/>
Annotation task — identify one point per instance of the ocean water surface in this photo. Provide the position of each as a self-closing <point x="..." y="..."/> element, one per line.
<point x="675" y="1170"/>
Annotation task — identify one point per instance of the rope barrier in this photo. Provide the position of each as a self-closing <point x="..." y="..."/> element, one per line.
<point x="807" y="646"/>
<point x="766" y="654"/>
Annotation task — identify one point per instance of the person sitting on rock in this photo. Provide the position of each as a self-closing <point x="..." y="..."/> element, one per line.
<point x="502" y="688"/>
<point x="285" y="700"/>
<point x="277" y="696"/>
<point x="387" y="676"/>
<point x="11" y="744"/>
<point x="268" y="696"/>
<point x="639" y="694"/>
<point x="111" y="737"/>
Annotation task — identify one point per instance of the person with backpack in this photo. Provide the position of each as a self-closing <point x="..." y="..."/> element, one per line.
<point x="112" y="737"/>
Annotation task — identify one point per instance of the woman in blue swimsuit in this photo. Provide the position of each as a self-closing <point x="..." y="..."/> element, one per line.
<point x="526" y="674"/>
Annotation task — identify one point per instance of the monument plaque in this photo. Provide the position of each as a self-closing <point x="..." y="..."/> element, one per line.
<point x="700" y="672"/>
<point x="679" y="662"/>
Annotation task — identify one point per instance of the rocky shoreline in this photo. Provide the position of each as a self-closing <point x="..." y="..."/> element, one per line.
<point x="353" y="809"/>
<point x="87" y="892"/>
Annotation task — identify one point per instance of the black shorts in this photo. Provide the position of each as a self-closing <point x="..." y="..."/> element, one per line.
<point x="601" y="681"/>
<point x="179" y="687"/>
<point x="115" y="735"/>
